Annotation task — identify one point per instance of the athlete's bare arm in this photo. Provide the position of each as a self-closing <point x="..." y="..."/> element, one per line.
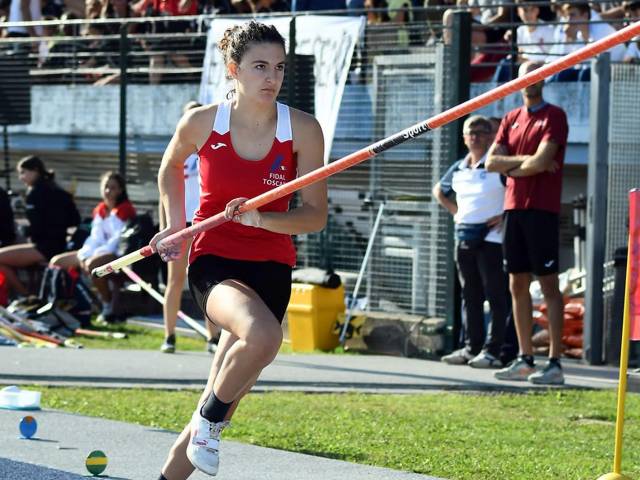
<point x="192" y="131"/>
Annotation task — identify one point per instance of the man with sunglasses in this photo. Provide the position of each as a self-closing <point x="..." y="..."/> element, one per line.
<point x="477" y="212"/>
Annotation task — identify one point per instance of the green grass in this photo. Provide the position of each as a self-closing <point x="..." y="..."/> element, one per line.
<point x="139" y="338"/>
<point x="144" y="338"/>
<point x="554" y="435"/>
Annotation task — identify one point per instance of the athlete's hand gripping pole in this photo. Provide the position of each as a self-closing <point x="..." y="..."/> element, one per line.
<point x="416" y="130"/>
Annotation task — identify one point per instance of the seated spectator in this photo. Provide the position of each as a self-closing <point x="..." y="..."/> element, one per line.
<point x="7" y="224"/>
<point x="401" y="15"/>
<point x="375" y="13"/>
<point x="4" y="13"/>
<point x="632" y="13"/>
<point x="104" y="54"/>
<point x="577" y="32"/>
<point x="535" y="38"/>
<point x="109" y="219"/>
<point x="269" y="6"/>
<point x="558" y="29"/>
<point x="43" y="47"/>
<point x="632" y="54"/>
<point x="221" y="7"/>
<point x="485" y="56"/>
<point x="52" y="8"/>
<point x="609" y="11"/>
<point x="116" y="9"/>
<point x="92" y="9"/>
<point x="24" y="11"/>
<point x="50" y="210"/>
<point x="60" y="51"/>
<point x="171" y="45"/>
<point x="433" y="13"/>
<point x="241" y="6"/>
<point x="447" y="25"/>
<point x="487" y="12"/>
<point x="260" y="6"/>
<point x="75" y="7"/>
<point x="376" y="39"/>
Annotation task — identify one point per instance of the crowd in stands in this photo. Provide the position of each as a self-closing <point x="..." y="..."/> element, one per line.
<point x="503" y="37"/>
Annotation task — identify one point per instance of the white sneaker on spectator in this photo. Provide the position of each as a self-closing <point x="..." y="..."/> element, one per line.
<point x="202" y="450"/>
<point x="169" y="344"/>
<point x="551" y="374"/>
<point x="458" y="357"/>
<point x="485" y="360"/>
<point x="518" y="370"/>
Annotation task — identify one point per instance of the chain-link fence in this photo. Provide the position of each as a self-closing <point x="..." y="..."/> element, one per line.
<point x="624" y="152"/>
<point x="407" y="272"/>
<point x="623" y="175"/>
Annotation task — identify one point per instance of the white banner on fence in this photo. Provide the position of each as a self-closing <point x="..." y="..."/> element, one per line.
<point x="330" y="39"/>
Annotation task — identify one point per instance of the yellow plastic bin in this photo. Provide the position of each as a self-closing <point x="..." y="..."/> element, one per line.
<point x="311" y="315"/>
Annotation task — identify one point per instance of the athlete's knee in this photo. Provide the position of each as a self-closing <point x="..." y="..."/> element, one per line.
<point x="519" y="284"/>
<point x="265" y="342"/>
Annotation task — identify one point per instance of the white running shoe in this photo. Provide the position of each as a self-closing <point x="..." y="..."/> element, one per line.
<point x="550" y="375"/>
<point x="485" y="360"/>
<point x="518" y="370"/>
<point x="458" y="357"/>
<point x="202" y="450"/>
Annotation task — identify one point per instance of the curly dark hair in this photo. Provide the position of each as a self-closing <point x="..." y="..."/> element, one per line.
<point x="235" y="41"/>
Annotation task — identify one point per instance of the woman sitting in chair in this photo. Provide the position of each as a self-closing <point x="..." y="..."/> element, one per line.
<point x="50" y="210"/>
<point x="109" y="219"/>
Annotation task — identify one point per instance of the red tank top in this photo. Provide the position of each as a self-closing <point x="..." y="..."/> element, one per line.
<point x="224" y="175"/>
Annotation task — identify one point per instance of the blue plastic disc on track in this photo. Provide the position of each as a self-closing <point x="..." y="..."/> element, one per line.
<point x="28" y="426"/>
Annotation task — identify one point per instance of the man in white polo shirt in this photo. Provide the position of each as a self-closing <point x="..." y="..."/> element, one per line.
<point x="477" y="213"/>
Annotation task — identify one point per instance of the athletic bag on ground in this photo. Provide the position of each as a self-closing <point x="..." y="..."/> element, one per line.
<point x="66" y="290"/>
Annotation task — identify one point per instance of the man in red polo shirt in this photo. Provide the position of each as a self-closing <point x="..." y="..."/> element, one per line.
<point x="529" y="149"/>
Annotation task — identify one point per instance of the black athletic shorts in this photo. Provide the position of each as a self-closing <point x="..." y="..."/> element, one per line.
<point x="270" y="280"/>
<point x="531" y="241"/>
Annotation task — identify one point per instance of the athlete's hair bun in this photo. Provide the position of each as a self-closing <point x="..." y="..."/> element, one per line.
<point x="235" y="41"/>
